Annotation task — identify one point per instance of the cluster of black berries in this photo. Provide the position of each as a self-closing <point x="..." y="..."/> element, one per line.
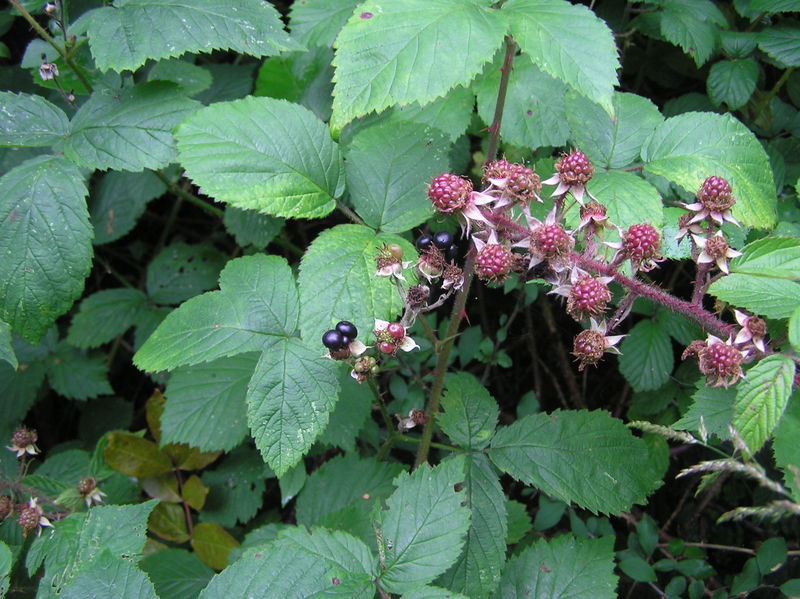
<point x="340" y="337"/>
<point x="441" y="240"/>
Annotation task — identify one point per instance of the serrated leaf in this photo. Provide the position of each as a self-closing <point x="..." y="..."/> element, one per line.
<point x="693" y="25"/>
<point x="425" y="523"/>
<point x="45" y="241"/>
<point x="292" y="482"/>
<point x="176" y="573"/>
<point x="289" y="399"/>
<point x="535" y="112"/>
<point x="629" y="199"/>
<point x="350" y="414"/>
<point x="110" y="576"/>
<point x="257" y="301"/>
<point x="688" y="148"/>
<point x="563" y="568"/>
<point x="236" y="488"/>
<point x="761" y="399"/>
<point x="212" y="544"/>
<point x="206" y="405"/>
<point x="130" y="130"/>
<point x="387" y="181"/>
<point x="586" y="60"/>
<point x="428" y="592"/>
<point x="168" y="521"/>
<point x="773" y="298"/>
<point x="133" y="456"/>
<point x="19" y="390"/>
<point x="337" y="281"/>
<point x="336" y="548"/>
<point x="192" y="79"/>
<point x="318" y="22"/>
<point x="263" y="154"/>
<point x="777" y="257"/>
<point x="613" y="142"/>
<point x="181" y="271"/>
<point x="715" y="406"/>
<point x="104" y="315"/>
<point x="477" y="571"/>
<point x="30" y="120"/>
<point x="125" y="36"/>
<point x="782" y="43"/>
<point x="6" y="349"/>
<point x="76" y="375"/>
<point x="118" y="200"/>
<point x="252" y="228"/>
<point x="646" y="361"/>
<point x="411" y="51"/>
<point x="588" y="458"/>
<point x="786" y="449"/>
<point x="450" y="114"/>
<point x="732" y="82"/>
<point x="794" y="328"/>
<point x="470" y="413"/>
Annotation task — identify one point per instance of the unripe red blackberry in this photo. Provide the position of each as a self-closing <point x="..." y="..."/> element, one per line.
<point x="385" y="347"/>
<point x="6" y="507"/>
<point x="588" y="297"/>
<point x="715" y="195"/>
<point x="497" y="169"/>
<point x="28" y="519"/>
<point x="574" y="168"/>
<point x="493" y="262"/>
<point x="588" y="348"/>
<point x="721" y="363"/>
<point x="551" y="241"/>
<point x="449" y="193"/>
<point x="641" y="243"/>
<point x="396" y="330"/>
<point x="523" y="183"/>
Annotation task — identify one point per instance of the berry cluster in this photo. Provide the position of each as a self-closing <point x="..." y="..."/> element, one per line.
<point x="339" y="340"/>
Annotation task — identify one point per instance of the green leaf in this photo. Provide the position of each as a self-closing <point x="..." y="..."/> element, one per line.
<point x="794" y="328"/>
<point x="104" y="315"/>
<point x="629" y="199"/>
<point x="771" y="555"/>
<point x="519" y="522"/>
<point x="6" y="561"/>
<point x="133" y="456"/>
<point x="289" y="399"/>
<point x="19" y="390"/>
<point x="338" y="549"/>
<point x="76" y="375"/>
<point x="292" y="482"/>
<point x="450" y="114"/>
<point x="350" y="414"/>
<point x="263" y="154"/>
<point x="646" y="361"/>
<point x="130" y="130"/>
<point x="774" y="6"/>
<point x="470" y="413"/>
<point x="236" y="488"/>
<point x="30" y="120"/>
<point x="586" y="59"/>
<point x="110" y="576"/>
<point x="428" y="592"/>
<point x="688" y="148"/>
<point x="782" y="43"/>
<point x="6" y="349"/>
<point x="693" y="25"/>
<point x="715" y="406"/>
<point x="535" y="112"/>
<point x="337" y="281"/>
<point x="213" y="544"/>
<point x="773" y="298"/>
<point x="439" y="45"/>
<point x="45" y="238"/>
<point x="191" y="78"/>
<point x="176" y="573"/>
<point x="425" y="523"/>
<point x="476" y="573"/>
<point x="637" y="568"/>
<point x="761" y="399"/>
<point x="777" y="257"/>
<point x="732" y="82"/>
<point x="181" y="271"/>
<point x="125" y="36"/>
<point x="563" y="568"/>
<point x="318" y="22"/>
<point x="252" y="228"/>
<point x="786" y="449"/>
<point x="118" y="200"/>
<point x="206" y="403"/>
<point x="257" y="300"/>
<point x="588" y="458"/>
<point x="612" y="142"/>
<point x="387" y="181"/>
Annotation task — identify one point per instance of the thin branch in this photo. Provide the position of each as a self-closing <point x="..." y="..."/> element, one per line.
<point x="349" y="213"/>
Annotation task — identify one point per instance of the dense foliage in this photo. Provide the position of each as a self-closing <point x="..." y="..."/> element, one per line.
<point x="319" y="299"/>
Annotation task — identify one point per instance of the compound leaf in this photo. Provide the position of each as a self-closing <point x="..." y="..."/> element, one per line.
<point x="584" y="457"/>
<point x="45" y="241"/>
<point x="586" y="59"/>
<point x="411" y="51"/>
<point x="130" y="130"/>
<point x="257" y="301"/>
<point x="691" y="147"/>
<point x="124" y="36"/>
<point x="289" y="400"/>
<point x="263" y="154"/>
<point x="30" y="120"/>
<point x="425" y="523"/>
